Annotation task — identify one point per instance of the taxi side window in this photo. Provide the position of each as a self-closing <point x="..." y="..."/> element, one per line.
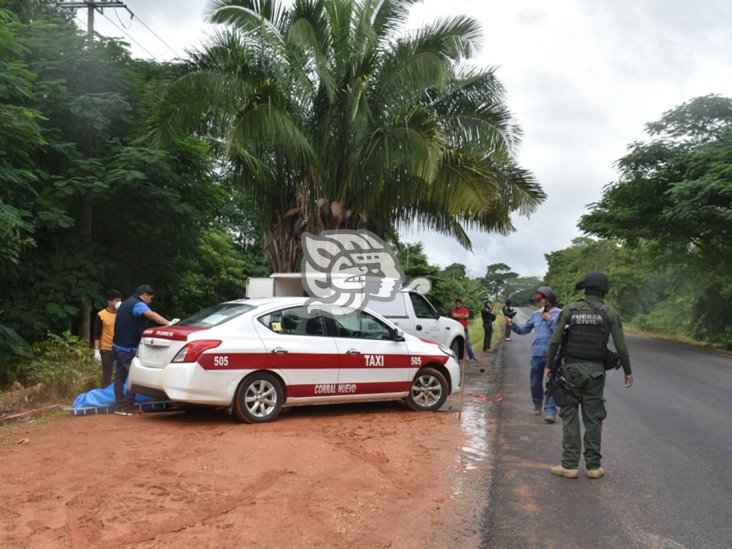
<point x="360" y="325"/>
<point x="294" y="321"/>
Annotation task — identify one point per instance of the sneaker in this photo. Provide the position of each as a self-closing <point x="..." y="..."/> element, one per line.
<point x="595" y="473"/>
<point x="508" y="339"/>
<point x="537" y="409"/>
<point x="550" y="418"/>
<point x="560" y="471"/>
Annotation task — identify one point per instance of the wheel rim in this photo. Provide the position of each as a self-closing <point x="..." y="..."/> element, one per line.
<point x="260" y="398"/>
<point x="426" y="390"/>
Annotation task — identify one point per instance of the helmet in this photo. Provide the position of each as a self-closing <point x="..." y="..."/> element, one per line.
<point x="548" y="293"/>
<point x="595" y="280"/>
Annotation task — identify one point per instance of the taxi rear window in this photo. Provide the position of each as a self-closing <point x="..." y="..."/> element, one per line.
<point x="218" y="314"/>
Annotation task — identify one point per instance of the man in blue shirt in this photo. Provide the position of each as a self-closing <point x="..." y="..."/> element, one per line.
<point x="132" y="316"/>
<point x="542" y="321"/>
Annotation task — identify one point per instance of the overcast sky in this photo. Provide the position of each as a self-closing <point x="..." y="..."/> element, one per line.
<point x="582" y="78"/>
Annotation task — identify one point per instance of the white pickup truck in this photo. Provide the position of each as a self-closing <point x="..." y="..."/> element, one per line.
<point x="410" y="311"/>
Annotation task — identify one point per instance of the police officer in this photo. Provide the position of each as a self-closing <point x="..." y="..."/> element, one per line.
<point x="590" y="323"/>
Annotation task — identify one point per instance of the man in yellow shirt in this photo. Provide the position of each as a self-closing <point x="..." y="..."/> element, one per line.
<point x="103" y="334"/>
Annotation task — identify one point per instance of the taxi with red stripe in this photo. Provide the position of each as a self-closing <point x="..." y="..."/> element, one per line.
<point x="256" y="356"/>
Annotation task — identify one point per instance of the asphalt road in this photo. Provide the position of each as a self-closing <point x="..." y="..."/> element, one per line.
<point x="667" y="453"/>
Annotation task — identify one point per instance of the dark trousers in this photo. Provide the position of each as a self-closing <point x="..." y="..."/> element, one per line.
<point x="488" y="329"/>
<point x="122" y="363"/>
<point x="587" y="379"/>
<point x="107" y="366"/>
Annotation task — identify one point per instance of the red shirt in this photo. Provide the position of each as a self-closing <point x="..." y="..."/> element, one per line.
<point x="460" y="311"/>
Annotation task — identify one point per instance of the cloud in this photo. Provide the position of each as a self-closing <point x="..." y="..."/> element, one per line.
<point x="582" y="79"/>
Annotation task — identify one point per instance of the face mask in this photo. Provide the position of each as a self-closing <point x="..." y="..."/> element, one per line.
<point x="116" y="305"/>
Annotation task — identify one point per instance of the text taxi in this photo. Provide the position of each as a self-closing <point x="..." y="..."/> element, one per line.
<point x="257" y="356"/>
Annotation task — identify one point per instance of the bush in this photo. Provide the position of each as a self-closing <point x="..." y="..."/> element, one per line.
<point x="672" y="317"/>
<point x="62" y="367"/>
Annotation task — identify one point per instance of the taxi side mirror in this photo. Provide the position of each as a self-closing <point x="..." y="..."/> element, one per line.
<point x="397" y="334"/>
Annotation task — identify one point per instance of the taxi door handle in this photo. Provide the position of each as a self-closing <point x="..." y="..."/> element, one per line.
<point x="279" y="351"/>
<point x="353" y="352"/>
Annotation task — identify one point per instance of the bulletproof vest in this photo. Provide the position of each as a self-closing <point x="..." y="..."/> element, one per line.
<point x="586" y="338"/>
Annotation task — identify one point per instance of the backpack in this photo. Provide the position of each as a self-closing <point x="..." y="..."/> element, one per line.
<point x="586" y="336"/>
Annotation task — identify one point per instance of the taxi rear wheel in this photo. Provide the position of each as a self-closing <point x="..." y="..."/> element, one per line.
<point x="259" y="398"/>
<point x="428" y="391"/>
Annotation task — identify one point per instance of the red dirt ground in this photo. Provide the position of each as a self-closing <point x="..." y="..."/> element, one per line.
<point x="373" y="476"/>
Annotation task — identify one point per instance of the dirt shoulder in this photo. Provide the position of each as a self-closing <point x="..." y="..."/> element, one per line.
<point x="371" y="475"/>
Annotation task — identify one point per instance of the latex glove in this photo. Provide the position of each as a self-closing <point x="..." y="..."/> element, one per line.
<point x="98" y="355"/>
<point x="174" y="321"/>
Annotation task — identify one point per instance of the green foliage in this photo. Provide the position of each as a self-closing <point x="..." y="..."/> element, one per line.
<point x="672" y="317"/>
<point x="63" y="366"/>
<point x="674" y="201"/>
<point x="87" y="201"/>
<point x="521" y="290"/>
<point x="448" y="284"/>
<point x="215" y="272"/>
<point x="497" y="277"/>
<point x="333" y="116"/>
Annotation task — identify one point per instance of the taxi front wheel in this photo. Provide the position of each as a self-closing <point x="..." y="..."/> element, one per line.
<point x="259" y="398"/>
<point x="428" y="391"/>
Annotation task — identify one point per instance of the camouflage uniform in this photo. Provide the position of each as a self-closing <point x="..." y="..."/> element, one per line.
<point x="587" y="380"/>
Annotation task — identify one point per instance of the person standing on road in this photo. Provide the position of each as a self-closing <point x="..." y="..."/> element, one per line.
<point x="542" y="321"/>
<point x="509" y="313"/>
<point x="488" y="317"/>
<point x="103" y="334"/>
<point x="462" y="314"/>
<point x="132" y="315"/>
<point x="589" y="323"/>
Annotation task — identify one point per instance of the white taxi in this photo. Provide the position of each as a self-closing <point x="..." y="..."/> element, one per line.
<point x="256" y="356"/>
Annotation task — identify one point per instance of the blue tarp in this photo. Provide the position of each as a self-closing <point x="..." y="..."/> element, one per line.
<point x="98" y="398"/>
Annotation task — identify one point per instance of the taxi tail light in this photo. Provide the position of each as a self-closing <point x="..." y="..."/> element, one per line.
<point x="191" y="351"/>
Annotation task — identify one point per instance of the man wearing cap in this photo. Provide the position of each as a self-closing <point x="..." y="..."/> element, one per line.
<point x="590" y="323"/>
<point x="132" y="316"/>
<point x="542" y="321"/>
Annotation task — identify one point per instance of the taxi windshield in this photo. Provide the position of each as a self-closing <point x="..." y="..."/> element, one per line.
<point x="218" y="314"/>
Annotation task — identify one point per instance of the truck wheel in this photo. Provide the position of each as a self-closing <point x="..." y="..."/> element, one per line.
<point x="428" y="391"/>
<point x="259" y="398"/>
<point x="456" y="348"/>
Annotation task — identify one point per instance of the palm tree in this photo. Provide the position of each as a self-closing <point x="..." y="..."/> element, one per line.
<point x="330" y="117"/>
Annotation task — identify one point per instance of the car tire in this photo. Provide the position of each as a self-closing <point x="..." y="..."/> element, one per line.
<point x="259" y="398"/>
<point x="428" y="391"/>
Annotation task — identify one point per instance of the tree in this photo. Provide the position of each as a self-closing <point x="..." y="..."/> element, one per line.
<point x="20" y="139"/>
<point x="72" y="123"/>
<point x="677" y="189"/>
<point x="333" y="119"/>
<point x="497" y="276"/>
<point x="521" y="290"/>
<point x="456" y="271"/>
<point x="675" y="194"/>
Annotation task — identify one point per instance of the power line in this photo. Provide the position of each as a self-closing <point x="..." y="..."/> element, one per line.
<point x="154" y="34"/>
<point x="98" y="6"/>
<point x="130" y="37"/>
<point x="129" y="24"/>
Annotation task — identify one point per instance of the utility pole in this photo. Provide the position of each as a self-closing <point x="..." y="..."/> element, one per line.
<point x="91" y="6"/>
<point x="85" y="314"/>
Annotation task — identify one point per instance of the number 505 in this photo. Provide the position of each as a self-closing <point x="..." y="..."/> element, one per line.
<point x="221" y="361"/>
